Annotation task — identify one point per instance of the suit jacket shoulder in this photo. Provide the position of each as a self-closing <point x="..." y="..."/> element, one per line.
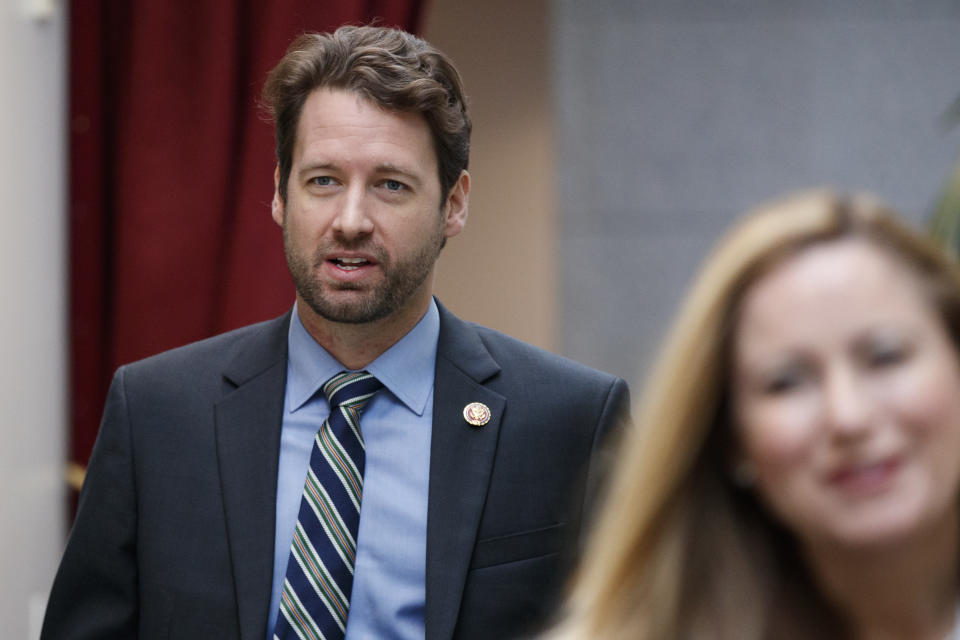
<point x="562" y="396"/>
<point x="526" y="359"/>
<point x="237" y="355"/>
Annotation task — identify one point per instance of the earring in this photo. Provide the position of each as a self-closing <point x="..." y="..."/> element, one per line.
<point x="744" y="474"/>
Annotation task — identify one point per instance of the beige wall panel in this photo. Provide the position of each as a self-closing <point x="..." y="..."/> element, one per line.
<point x="501" y="271"/>
<point x="33" y="330"/>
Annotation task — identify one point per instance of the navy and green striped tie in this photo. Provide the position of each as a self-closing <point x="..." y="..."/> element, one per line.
<point x="316" y="589"/>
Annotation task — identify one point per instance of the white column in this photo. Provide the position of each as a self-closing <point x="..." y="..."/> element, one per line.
<point x="33" y="307"/>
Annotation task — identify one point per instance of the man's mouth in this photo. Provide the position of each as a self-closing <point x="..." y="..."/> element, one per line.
<point x="350" y="264"/>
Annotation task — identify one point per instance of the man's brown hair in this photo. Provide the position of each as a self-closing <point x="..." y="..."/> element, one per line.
<point x="389" y="67"/>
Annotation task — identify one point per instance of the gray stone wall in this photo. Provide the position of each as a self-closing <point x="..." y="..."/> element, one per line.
<point x="673" y="117"/>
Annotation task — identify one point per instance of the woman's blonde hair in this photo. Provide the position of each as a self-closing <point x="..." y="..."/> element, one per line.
<point x="680" y="551"/>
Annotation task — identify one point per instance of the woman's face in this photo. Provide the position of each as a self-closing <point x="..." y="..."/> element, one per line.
<point x="847" y="397"/>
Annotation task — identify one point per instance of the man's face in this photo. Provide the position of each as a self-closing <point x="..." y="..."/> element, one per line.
<point x="361" y="225"/>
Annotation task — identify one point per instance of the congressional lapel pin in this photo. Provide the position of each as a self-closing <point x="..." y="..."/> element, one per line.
<point x="477" y="414"/>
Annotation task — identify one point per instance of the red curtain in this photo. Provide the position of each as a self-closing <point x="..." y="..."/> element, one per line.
<point x="171" y="175"/>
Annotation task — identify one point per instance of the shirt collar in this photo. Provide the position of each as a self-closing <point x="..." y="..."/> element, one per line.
<point x="406" y="368"/>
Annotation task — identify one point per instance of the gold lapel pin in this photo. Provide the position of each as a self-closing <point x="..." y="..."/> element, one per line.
<point x="477" y="414"/>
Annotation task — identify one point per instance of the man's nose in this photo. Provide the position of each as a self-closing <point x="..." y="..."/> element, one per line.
<point x="353" y="215"/>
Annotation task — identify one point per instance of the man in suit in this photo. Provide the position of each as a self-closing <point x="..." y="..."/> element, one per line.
<point x="477" y="462"/>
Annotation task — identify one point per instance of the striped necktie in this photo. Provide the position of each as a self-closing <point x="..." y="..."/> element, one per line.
<point x="316" y="589"/>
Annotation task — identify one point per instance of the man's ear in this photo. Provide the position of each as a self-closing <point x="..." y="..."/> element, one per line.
<point x="456" y="205"/>
<point x="276" y="206"/>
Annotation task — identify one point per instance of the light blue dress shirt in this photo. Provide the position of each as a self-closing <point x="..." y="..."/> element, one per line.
<point x="390" y="572"/>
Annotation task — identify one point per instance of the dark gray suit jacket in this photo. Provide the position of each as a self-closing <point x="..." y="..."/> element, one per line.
<point x="175" y="530"/>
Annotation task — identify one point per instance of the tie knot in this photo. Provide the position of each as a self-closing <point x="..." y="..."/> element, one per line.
<point x="352" y="389"/>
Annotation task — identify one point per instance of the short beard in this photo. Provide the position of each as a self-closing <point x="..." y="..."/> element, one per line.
<point x="400" y="281"/>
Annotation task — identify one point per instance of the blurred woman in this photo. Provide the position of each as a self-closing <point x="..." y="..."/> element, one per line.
<point x="795" y="466"/>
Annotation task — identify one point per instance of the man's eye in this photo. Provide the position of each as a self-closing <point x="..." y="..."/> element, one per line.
<point x="393" y="185"/>
<point x="322" y="181"/>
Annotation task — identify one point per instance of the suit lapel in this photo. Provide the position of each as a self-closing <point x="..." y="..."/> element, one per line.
<point x="461" y="458"/>
<point x="248" y="422"/>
